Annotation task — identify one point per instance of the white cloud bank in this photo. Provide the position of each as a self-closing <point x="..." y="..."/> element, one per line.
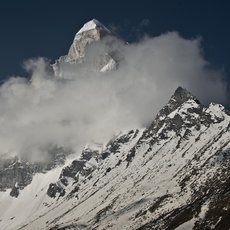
<point x="47" y="111"/>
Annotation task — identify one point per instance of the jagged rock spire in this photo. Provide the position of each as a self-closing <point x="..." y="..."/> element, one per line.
<point x="180" y="96"/>
<point x="90" y="32"/>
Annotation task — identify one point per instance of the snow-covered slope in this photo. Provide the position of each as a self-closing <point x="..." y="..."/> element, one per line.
<point x="172" y="175"/>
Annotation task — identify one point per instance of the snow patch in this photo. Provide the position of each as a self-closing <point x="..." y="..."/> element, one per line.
<point x="93" y="24"/>
<point x="111" y="65"/>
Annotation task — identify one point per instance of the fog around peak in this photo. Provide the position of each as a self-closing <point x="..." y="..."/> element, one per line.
<point x="86" y="105"/>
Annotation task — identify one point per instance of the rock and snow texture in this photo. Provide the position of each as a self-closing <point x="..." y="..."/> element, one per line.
<point x="172" y="175"/>
<point x="91" y="25"/>
<point x="92" y="31"/>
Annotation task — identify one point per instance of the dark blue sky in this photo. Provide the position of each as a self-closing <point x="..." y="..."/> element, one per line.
<point x="46" y="28"/>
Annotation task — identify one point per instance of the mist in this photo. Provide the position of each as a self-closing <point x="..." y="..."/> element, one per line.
<point x="85" y="105"/>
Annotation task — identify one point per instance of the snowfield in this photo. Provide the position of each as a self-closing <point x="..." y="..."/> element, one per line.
<point x="166" y="176"/>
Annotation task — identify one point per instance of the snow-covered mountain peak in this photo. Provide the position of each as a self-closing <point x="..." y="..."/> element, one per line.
<point x="93" y="24"/>
<point x="91" y="32"/>
<point x="182" y="95"/>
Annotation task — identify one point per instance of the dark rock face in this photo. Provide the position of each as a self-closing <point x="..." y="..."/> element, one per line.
<point x="70" y="174"/>
<point x="73" y="169"/>
<point x="55" y="189"/>
<point x="14" y="171"/>
<point x="17" y="172"/>
<point x="114" y="146"/>
<point x="15" y="191"/>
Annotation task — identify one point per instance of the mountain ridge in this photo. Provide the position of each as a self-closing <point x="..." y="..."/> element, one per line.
<point x="172" y="174"/>
<point x="169" y="171"/>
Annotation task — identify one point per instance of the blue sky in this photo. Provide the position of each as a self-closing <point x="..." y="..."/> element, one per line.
<point x="46" y="28"/>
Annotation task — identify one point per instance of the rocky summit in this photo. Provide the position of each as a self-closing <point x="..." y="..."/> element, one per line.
<point x="173" y="174"/>
<point x="92" y="32"/>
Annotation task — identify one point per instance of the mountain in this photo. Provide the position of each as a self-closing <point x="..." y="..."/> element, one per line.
<point x="90" y="32"/>
<point x="173" y="174"/>
<point x="16" y="174"/>
<point x="93" y="31"/>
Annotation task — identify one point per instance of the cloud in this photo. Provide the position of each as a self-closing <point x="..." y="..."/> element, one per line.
<point x="86" y="105"/>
